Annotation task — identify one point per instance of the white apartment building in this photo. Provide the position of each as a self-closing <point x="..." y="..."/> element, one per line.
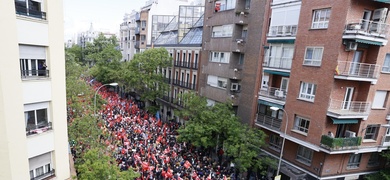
<point x="127" y="36"/>
<point x="33" y="126"/>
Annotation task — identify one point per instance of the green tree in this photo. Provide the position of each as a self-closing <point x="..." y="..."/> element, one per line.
<point x="384" y="173"/>
<point x="216" y="127"/>
<point x="144" y="73"/>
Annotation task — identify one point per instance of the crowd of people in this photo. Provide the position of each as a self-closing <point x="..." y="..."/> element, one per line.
<point x="146" y="144"/>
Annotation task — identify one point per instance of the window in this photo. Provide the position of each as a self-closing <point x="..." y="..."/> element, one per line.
<point x="320" y="19"/>
<point x="33" y="61"/>
<point x="380" y="99"/>
<point x="143" y="37"/>
<point x="374" y="159"/>
<point x="216" y="81"/>
<point x="308" y="91"/>
<point x="143" y="24"/>
<point x="222" y="5"/>
<point x="30" y="8"/>
<point x="275" y="142"/>
<point x="196" y="61"/>
<point x="221" y="57"/>
<point x="386" y="64"/>
<point x="301" y="124"/>
<point x="40" y="166"/>
<point x="304" y="155"/>
<point x="313" y="56"/>
<point x="36" y="118"/>
<point x="222" y="31"/>
<point x="241" y="59"/>
<point x="354" y="161"/>
<point x="372" y="131"/>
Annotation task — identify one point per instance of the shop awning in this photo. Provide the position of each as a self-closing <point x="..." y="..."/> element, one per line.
<point x="280" y="41"/>
<point x="369" y="42"/>
<point x="270" y="104"/>
<point x="344" y="121"/>
<point x="277" y="72"/>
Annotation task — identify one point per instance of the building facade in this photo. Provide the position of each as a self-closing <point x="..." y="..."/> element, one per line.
<point x="34" y="139"/>
<point x="326" y="68"/>
<point x="127" y="36"/>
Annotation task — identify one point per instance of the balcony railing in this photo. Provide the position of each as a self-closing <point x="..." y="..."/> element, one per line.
<point x="280" y="63"/>
<point x="349" y="107"/>
<point x="51" y="173"/>
<point x="286" y="30"/>
<point x="186" y="64"/>
<point x="340" y="143"/>
<point x="366" y="27"/>
<point x="34" y="73"/>
<point x="358" y="70"/>
<point x="184" y="84"/>
<point x="269" y="121"/>
<point x="37" y="129"/>
<point x="273" y="92"/>
<point x="24" y="11"/>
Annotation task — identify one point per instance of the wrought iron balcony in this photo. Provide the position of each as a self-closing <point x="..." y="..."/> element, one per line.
<point x="274" y="93"/>
<point x="347" y="70"/>
<point x="268" y="121"/>
<point x="285" y="30"/>
<point x="340" y="143"/>
<point x="348" y="108"/>
<point x="279" y="63"/>
<point x="46" y="175"/>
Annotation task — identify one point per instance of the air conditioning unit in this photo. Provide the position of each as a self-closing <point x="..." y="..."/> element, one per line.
<point x="351" y="46"/>
<point x="241" y="22"/>
<point x="350" y="134"/>
<point x="279" y="93"/>
<point x="234" y="87"/>
<point x="235" y="69"/>
<point x="237" y="50"/>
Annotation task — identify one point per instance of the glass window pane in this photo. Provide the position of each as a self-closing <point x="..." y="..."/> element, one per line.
<point x="42" y="118"/>
<point x="30" y="117"/>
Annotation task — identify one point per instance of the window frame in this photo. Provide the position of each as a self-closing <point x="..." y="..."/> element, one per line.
<point x="35" y="128"/>
<point x="354" y="161"/>
<point x="312" y="61"/>
<point x="374" y="159"/>
<point x="219" y="57"/>
<point x="275" y="142"/>
<point x="222" y="31"/>
<point x="318" y="18"/>
<point x="301" y="124"/>
<point x="386" y="64"/>
<point x="371" y="132"/>
<point x="378" y="100"/>
<point x="303" y="91"/>
<point x="304" y="155"/>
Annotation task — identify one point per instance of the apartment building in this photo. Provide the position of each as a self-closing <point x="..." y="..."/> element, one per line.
<point x="127" y="36"/>
<point x="33" y="128"/>
<point x="326" y="68"/>
<point x="231" y="49"/>
<point x="183" y="40"/>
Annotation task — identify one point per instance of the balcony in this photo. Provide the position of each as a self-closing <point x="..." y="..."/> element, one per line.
<point x="348" y="109"/>
<point x="24" y="11"/>
<point x="184" y="84"/>
<point x="283" y="31"/>
<point x="340" y="143"/>
<point x="274" y="93"/>
<point x="368" y="32"/>
<point x="136" y="44"/>
<point x="34" y="74"/>
<point x="278" y="63"/>
<point x="268" y="121"/>
<point x="238" y="46"/>
<point x="354" y="71"/>
<point x="48" y="175"/>
<point x="241" y="18"/>
<point x="38" y="129"/>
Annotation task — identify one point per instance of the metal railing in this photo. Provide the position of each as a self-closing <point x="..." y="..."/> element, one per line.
<point x="45" y="175"/>
<point x="269" y="121"/>
<point x="285" y="30"/>
<point x="24" y="11"/>
<point x="349" y="107"/>
<point x="184" y="84"/>
<point x="37" y="129"/>
<point x="186" y="64"/>
<point x="280" y="62"/>
<point x="273" y="92"/>
<point x="360" y="70"/>
<point x="34" y="73"/>
<point x="372" y="28"/>
<point x="340" y="143"/>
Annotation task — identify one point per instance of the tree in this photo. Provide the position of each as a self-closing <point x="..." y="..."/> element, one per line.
<point x="144" y="73"/>
<point x="384" y="173"/>
<point x="216" y="127"/>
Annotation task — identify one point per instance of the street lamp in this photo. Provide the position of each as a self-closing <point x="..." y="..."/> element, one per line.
<point x="94" y="104"/>
<point x="284" y="139"/>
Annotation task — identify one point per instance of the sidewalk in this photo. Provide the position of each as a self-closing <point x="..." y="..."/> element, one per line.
<point x="72" y="168"/>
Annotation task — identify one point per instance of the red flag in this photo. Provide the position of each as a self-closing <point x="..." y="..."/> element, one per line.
<point x="187" y="164"/>
<point x="145" y="166"/>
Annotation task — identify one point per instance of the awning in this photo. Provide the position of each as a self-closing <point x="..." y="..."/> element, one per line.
<point x="383" y="1"/>
<point x="369" y="42"/>
<point x="277" y="72"/>
<point x="280" y="41"/>
<point x="344" y="121"/>
<point x="270" y="104"/>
